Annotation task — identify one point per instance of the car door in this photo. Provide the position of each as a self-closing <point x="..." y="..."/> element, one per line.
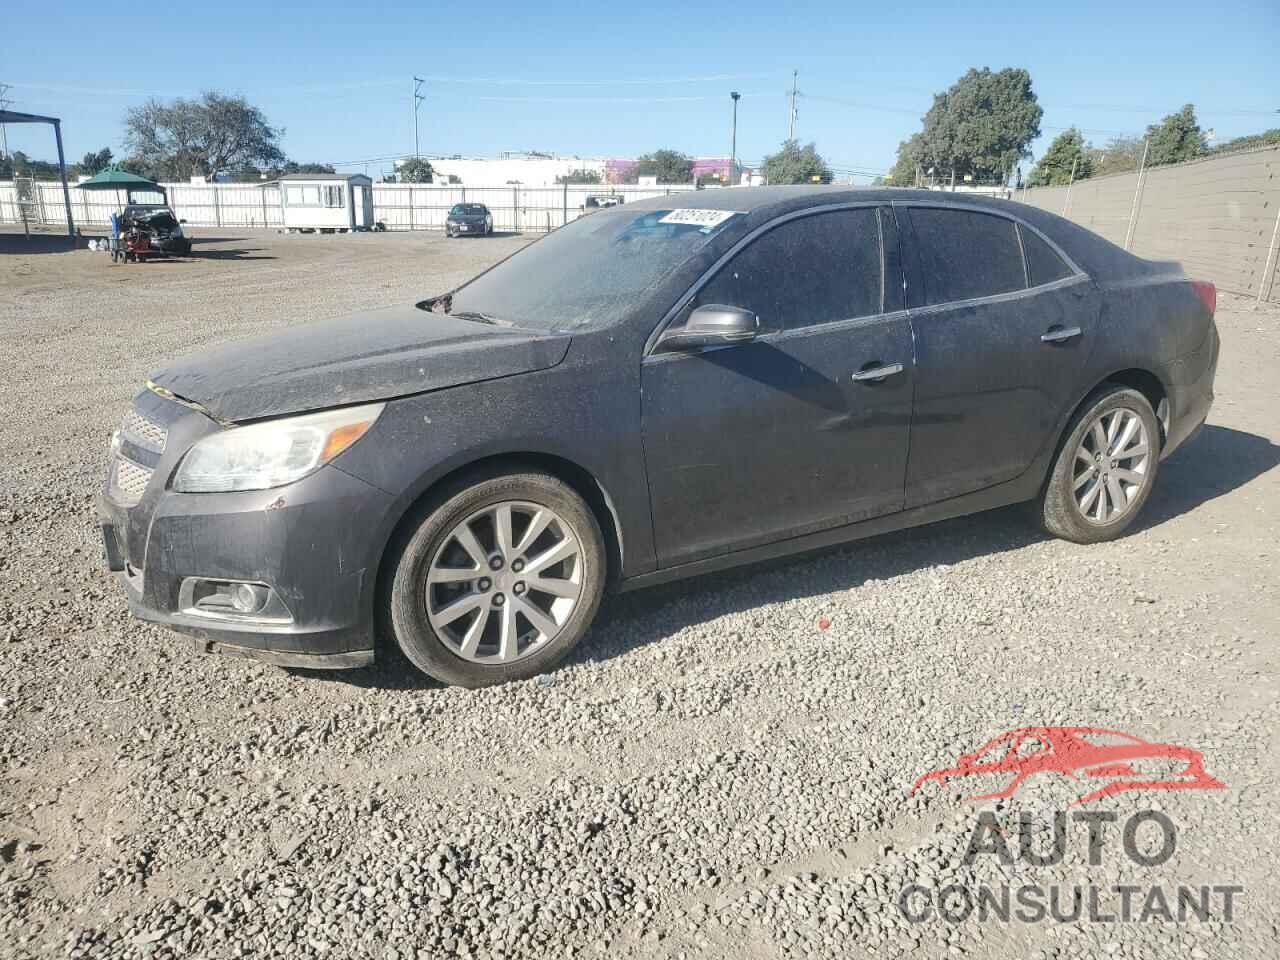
<point x="1000" y="343"/>
<point x="774" y="438"/>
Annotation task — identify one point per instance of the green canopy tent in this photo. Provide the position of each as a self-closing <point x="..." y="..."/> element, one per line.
<point x="122" y="181"/>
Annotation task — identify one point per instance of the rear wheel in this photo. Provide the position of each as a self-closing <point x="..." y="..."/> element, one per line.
<point x="1106" y="468"/>
<point x="499" y="581"/>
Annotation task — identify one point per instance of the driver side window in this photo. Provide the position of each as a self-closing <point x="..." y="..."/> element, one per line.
<point x="807" y="271"/>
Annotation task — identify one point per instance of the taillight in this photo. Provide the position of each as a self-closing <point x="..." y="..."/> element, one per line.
<point x="1207" y="293"/>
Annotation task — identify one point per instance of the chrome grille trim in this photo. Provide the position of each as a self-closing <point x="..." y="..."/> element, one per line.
<point x="128" y="482"/>
<point x="145" y="433"/>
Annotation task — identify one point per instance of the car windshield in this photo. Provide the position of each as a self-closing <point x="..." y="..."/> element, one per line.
<point x="467" y="210"/>
<point x="578" y="277"/>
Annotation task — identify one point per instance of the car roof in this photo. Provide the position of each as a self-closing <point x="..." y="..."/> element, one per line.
<point x="757" y="199"/>
<point x="1101" y="259"/>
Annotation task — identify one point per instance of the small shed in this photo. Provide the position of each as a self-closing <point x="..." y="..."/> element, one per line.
<point x="326" y="201"/>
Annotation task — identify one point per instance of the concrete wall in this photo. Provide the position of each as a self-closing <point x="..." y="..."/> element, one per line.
<point x="1216" y="216"/>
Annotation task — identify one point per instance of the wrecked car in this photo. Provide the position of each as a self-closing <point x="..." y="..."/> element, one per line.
<point x="659" y="390"/>
<point x="162" y="228"/>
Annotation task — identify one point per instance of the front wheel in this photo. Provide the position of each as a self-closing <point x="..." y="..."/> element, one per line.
<point x="1105" y="470"/>
<point x="499" y="580"/>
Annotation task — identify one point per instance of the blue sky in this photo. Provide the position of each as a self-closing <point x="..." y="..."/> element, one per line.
<point x="619" y="80"/>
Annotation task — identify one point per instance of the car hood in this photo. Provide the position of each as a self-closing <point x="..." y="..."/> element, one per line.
<point x="467" y="217"/>
<point x="375" y="355"/>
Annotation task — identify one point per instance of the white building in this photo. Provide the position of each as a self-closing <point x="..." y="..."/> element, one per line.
<point x="326" y="201"/>
<point x="530" y="170"/>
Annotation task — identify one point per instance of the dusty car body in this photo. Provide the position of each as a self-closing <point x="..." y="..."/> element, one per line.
<point x="658" y="390"/>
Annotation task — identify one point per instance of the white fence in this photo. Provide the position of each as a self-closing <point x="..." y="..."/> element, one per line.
<point x="399" y="206"/>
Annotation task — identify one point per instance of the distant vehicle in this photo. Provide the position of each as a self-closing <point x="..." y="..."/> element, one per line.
<point x="473" y="219"/>
<point x="162" y="228"/>
<point x="691" y="383"/>
<point x="1087" y="754"/>
<point x="597" y="201"/>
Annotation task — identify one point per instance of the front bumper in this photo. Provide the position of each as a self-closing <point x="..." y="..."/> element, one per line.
<point x="469" y="228"/>
<point x="312" y="542"/>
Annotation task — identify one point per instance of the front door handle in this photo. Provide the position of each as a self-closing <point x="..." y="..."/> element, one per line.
<point x="1060" y="334"/>
<point x="877" y="373"/>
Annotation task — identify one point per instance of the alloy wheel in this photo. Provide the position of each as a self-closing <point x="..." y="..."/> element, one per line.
<point x="504" y="582"/>
<point x="1112" y="465"/>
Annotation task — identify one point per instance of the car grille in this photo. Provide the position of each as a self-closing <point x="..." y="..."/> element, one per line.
<point x="137" y="429"/>
<point x="128" y="481"/>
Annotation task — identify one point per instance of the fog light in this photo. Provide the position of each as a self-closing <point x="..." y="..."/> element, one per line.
<point x="248" y="597"/>
<point x="232" y="600"/>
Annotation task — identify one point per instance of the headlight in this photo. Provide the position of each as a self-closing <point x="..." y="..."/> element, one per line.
<point x="273" y="453"/>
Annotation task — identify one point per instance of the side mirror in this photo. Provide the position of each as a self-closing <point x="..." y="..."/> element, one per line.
<point x="713" y="324"/>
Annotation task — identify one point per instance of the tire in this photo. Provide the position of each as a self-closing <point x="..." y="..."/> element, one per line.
<point x="1066" y="509"/>
<point x="430" y="541"/>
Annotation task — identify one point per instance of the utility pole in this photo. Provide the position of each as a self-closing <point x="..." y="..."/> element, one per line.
<point x="418" y="97"/>
<point x="733" y="143"/>
<point x="795" y="79"/>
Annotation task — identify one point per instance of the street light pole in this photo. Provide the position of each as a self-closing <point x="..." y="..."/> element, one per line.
<point x="733" y="147"/>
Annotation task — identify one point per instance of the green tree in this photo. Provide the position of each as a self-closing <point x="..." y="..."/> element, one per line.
<point x="580" y="176"/>
<point x="202" y="137"/>
<point x="796" y="164"/>
<point x="903" y="172"/>
<point x="94" y="163"/>
<point x="1120" y="155"/>
<point x="981" y="126"/>
<point x="1067" y="157"/>
<point x="415" y="170"/>
<point x="291" y="167"/>
<point x="669" y="166"/>
<point x="1176" y="138"/>
<point x="1248" y="142"/>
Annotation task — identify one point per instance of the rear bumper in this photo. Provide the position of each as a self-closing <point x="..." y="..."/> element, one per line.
<point x="1191" y="381"/>
<point x="312" y="543"/>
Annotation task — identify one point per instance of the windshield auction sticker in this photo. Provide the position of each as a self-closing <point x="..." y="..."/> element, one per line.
<point x="708" y="220"/>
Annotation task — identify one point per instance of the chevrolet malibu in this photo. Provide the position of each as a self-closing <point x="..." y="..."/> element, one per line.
<point x="655" y="391"/>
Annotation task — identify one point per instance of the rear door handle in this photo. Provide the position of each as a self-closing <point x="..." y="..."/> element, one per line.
<point x="876" y="374"/>
<point x="1060" y="334"/>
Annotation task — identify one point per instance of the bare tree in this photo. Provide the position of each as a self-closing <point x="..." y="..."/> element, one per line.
<point x="214" y="134"/>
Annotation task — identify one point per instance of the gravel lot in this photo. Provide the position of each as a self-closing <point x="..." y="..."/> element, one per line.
<point x="721" y="769"/>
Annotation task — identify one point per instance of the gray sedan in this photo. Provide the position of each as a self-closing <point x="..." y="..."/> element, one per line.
<point x="655" y="391"/>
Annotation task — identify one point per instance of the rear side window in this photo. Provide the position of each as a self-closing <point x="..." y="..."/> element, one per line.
<point x="1043" y="264"/>
<point x="807" y="271"/>
<point x="966" y="255"/>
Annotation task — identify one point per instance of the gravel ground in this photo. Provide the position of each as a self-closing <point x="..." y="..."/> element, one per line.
<point x="721" y="769"/>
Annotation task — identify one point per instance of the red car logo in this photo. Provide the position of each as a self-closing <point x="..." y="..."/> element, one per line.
<point x="1081" y="753"/>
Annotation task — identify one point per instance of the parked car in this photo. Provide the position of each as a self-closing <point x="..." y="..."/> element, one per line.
<point x="658" y="390"/>
<point x="469" y="218"/>
<point x="161" y="227"/>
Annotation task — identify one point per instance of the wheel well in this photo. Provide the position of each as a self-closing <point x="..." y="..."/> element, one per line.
<point x="1147" y="384"/>
<point x="582" y="482"/>
<point x="1144" y="381"/>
